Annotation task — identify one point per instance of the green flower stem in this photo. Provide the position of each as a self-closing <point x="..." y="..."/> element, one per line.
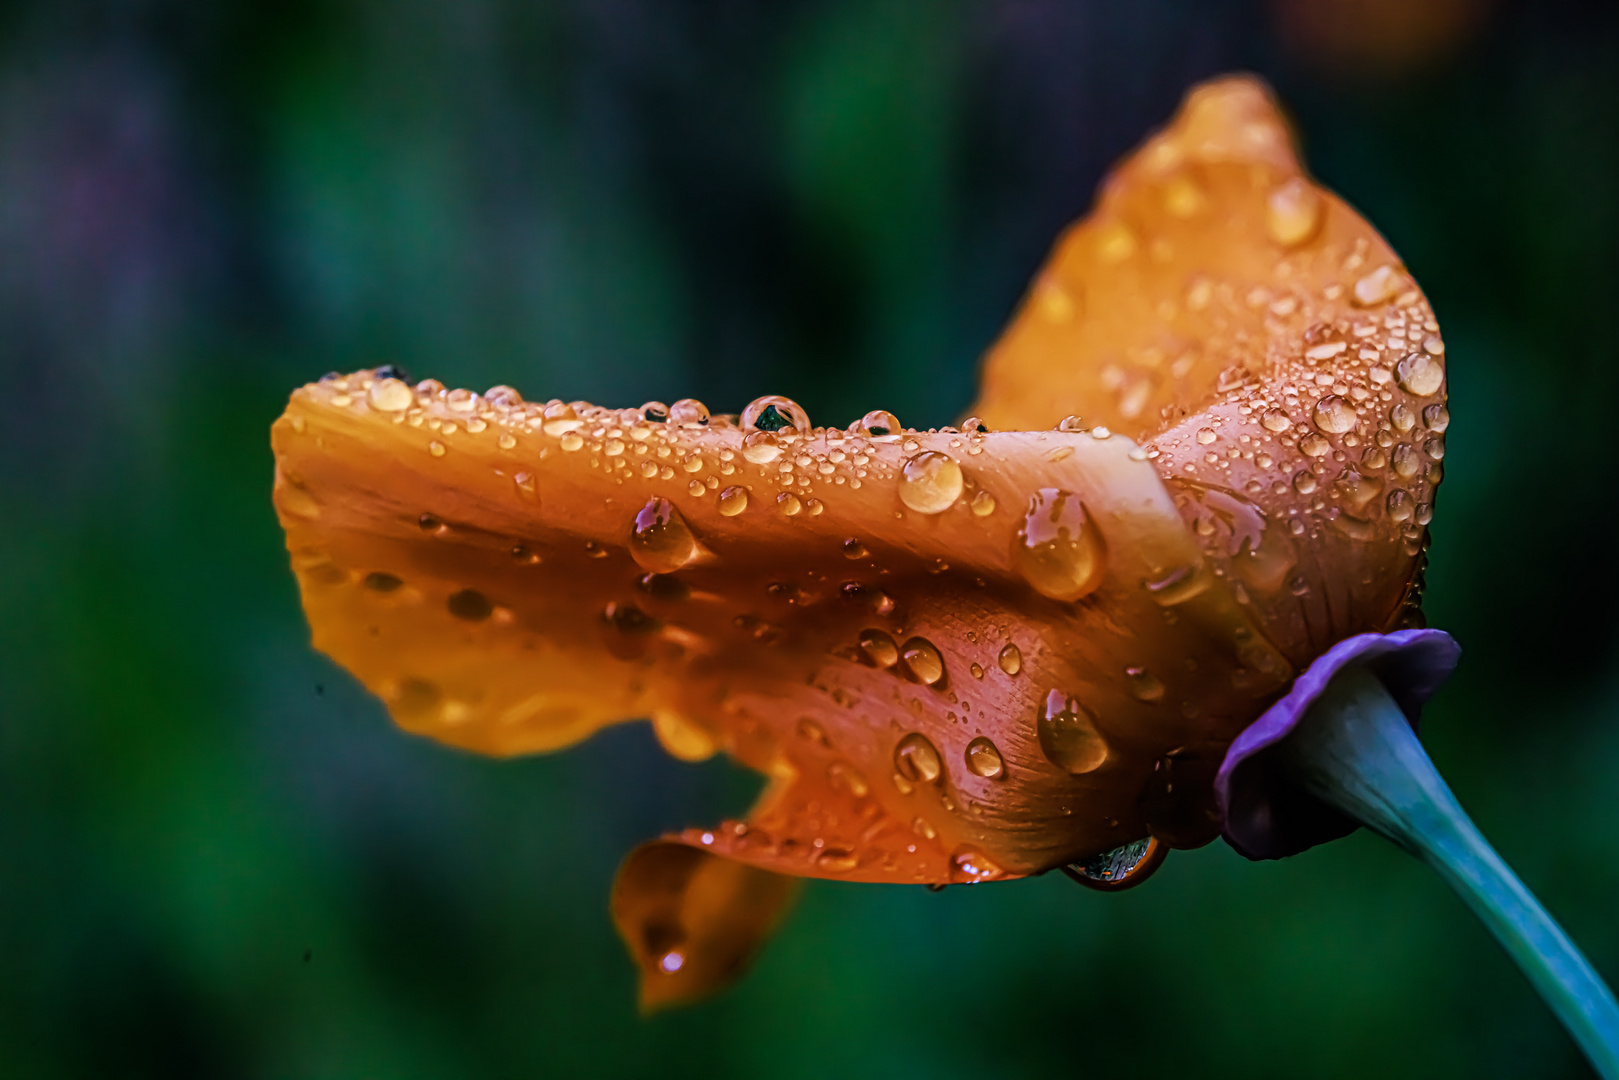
<point x="1356" y="751"/>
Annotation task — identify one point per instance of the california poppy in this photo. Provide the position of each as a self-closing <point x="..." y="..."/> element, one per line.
<point x="1205" y="451"/>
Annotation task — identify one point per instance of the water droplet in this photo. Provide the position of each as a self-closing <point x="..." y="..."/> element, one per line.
<point x="983" y="504"/>
<point x="760" y="447"/>
<point x="655" y="412"/>
<point x="1144" y="685"/>
<point x="854" y="549"/>
<point x="1206" y="435"/>
<point x="688" y="412"/>
<point x="984" y="759"/>
<point x="879" y="647"/>
<point x="1405" y="462"/>
<point x="923" y="660"/>
<point x="1402" y="418"/>
<point x="774" y="413"/>
<point x="1121" y="868"/>
<point x="435" y="448"/>
<point x="1068" y="734"/>
<point x="1399" y="505"/>
<point x="789" y="504"/>
<point x="612" y="447"/>
<point x="471" y="605"/>
<point x="846" y="777"/>
<point x="671" y="961"/>
<point x="1377" y="287"/>
<point x="976" y="669"/>
<point x="923" y="828"/>
<point x="931" y="482"/>
<point x="837" y="860"/>
<point x="733" y="500"/>
<point x="559" y="419"/>
<point x="661" y="541"/>
<point x="969" y="865"/>
<point x="506" y="441"/>
<point x="1071" y="424"/>
<point x="1305" y="482"/>
<point x="975" y="424"/>
<point x="1276" y="420"/>
<point x="1435" y="448"/>
<point x="916" y="759"/>
<point x="1011" y="659"/>
<point x="879" y="423"/>
<point x="1437" y="417"/>
<point x="1058" y="550"/>
<point x="1420" y="374"/>
<point x="1334" y="415"/>
<point x="572" y="441"/>
<point x="1314" y="445"/>
<point x="1293" y="212"/>
<point x="391" y="395"/>
<point x="527" y="490"/>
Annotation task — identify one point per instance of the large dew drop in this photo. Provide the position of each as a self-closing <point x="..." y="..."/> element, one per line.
<point x="923" y="660"/>
<point x="879" y="424"/>
<point x="931" y="483"/>
<point x="1068" y="734"/>
<point x="391" y="395"/>
<point x="688" y="412"/>
<point x="775" y="413"/>
<point x="916" y="759"/>
<point x="1121" y="868"/>
<point x="879" y="648"/>
<point x="1334" y="415"/>
<point x="1058" y="550"/>
<point x="1420" y="374"/>
<point x="1010" y="659"/>
<point x="984" y="759"/>
<point x="661" y="541"/>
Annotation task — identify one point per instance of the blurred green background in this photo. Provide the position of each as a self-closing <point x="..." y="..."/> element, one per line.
<point x="217" y="856"/>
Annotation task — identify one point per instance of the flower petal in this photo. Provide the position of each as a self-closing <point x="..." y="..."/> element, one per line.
<point x="1266" y="815"/>
<point x="1267" y="346"/>
<point x="1030" y="606"/>
<point x="691" y="920"/>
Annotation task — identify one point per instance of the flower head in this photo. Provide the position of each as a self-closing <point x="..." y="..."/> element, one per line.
<point x="958" y="655"/>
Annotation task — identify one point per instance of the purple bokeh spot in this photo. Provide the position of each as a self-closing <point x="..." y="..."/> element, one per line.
<point x="1266" y="815"/>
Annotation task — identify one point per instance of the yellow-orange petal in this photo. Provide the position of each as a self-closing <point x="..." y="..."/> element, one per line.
<point x="693" y="921"/>
<point x="1267" y="346"/>
<point x="496" y="596"/>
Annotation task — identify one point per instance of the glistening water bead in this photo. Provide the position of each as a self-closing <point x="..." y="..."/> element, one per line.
<point x="984" y="759"/>
<point x="660" y="540"/>
<point x="916" y="759"/>
<point x="775" y="413"/>
<point x="879" y="424"/>
<point x="1068" y="734"/>
<point x="1058" y="550"/>
<point x="931" y="482"/>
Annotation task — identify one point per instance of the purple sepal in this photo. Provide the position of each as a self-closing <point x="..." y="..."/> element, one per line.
<point x="1264" y="814"/>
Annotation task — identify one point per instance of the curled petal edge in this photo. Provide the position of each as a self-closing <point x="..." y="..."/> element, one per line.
<point x="1264" y="814"/>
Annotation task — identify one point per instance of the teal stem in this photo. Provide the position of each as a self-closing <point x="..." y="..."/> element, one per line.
<point x="1355" y="750"/>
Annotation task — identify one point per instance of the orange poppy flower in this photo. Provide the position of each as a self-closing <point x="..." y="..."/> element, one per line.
<point x="959" y="655"/>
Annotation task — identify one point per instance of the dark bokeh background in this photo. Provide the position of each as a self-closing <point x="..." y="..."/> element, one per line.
<point x="218" y="858"/>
